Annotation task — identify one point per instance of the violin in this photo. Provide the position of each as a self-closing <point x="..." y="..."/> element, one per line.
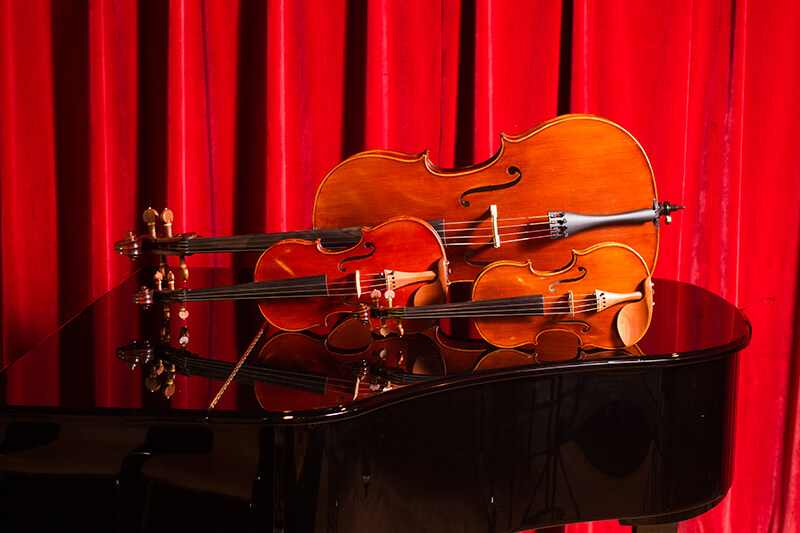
<point x="567" y="184"/>
<point x="603" y="299"/>
<point x="300" y="284"/>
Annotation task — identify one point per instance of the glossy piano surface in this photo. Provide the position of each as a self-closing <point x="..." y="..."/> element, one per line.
<point x="643" y="436"/>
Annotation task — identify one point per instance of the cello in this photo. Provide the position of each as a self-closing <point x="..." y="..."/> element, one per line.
<point x="566" y="184"/>
<point x="577" y="176"/>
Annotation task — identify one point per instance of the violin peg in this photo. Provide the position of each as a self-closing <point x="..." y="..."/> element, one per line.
<point x="183" y="314"/>
<point x="167" y="217"/>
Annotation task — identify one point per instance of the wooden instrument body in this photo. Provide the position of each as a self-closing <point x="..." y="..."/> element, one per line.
<point x="401" y="244"/>
<point x="292" y="351"/>
<point x="609" y="267"/>
<point x="575" y="163"/>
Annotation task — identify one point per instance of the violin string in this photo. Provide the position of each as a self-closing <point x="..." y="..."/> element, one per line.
<point x="251" y="292"/>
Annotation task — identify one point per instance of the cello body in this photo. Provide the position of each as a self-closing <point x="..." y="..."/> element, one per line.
<point x="572" y="163"/>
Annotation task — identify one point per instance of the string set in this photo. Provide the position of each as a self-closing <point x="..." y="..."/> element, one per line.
<point x="461" y="233"/>
<point x="303" y="287"/>
<point x="536" y="305"/>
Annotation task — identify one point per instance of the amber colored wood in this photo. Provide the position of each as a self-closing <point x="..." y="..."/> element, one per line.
<point x="403" y="243"/>
<point x="608" y="267"/>
<point x="576" y="163"/>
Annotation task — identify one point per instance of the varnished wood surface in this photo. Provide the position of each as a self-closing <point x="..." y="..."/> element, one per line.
<point x="403" y="244"/>
<point x="576" y="163"/>
<point x="607" y="267"/>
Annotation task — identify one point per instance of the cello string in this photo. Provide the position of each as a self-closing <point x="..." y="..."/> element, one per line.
<point x="210" y="244"/>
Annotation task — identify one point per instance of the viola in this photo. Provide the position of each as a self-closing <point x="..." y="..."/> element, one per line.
<point x="300" y="284"/>
<point x="603" y="299"/>
<point x="571" y="182"/>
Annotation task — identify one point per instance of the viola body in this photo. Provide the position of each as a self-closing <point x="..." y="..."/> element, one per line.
<point x="574" y="163"/>
<point x="602" y="299"/>
<point x="400" y="245"/>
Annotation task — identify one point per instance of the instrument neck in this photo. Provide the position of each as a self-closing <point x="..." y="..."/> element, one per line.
<point x="303" y="287"/>
<point x="331" y="239"/>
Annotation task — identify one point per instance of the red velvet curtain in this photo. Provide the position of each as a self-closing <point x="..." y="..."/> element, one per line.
<point x="231" y="113"/>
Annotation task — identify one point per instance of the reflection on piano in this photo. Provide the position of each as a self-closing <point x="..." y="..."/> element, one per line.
<point x="643" y="437"/>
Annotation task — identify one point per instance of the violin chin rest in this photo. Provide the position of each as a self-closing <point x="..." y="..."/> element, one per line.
<point x="633" y="319"/>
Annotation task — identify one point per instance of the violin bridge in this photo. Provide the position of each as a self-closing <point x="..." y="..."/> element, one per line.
<point x="495" y="233"/>
<point x="396" y="279"/>
<point x="571" y="300"/>
<point x="358" y="283"/>
<point x="610" y="299"/>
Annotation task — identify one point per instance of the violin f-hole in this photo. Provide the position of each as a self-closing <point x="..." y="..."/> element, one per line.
<point x="512" y="171"/>
<point x="368" y="245"/>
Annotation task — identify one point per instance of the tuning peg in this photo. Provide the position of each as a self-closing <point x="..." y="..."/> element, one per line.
<point x="150" y="216"/>
<point x="167" y="217"/>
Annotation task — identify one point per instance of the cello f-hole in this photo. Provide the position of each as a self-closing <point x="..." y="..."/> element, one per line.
<point x="512" y="171"/>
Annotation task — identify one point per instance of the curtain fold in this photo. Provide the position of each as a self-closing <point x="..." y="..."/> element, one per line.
<point x="231" y="113"/>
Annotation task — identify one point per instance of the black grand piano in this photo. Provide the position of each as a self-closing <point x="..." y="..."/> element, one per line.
<point x="642" y="436"/>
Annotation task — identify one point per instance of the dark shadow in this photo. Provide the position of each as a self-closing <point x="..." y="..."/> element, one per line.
<point x="250" y="161"/>
<point x="70" y="34"/>
<point x="565" y="59"/>
<point x="465" y="107"/>
<point x="354" y="93"/>
<point x="151" y="157"/>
